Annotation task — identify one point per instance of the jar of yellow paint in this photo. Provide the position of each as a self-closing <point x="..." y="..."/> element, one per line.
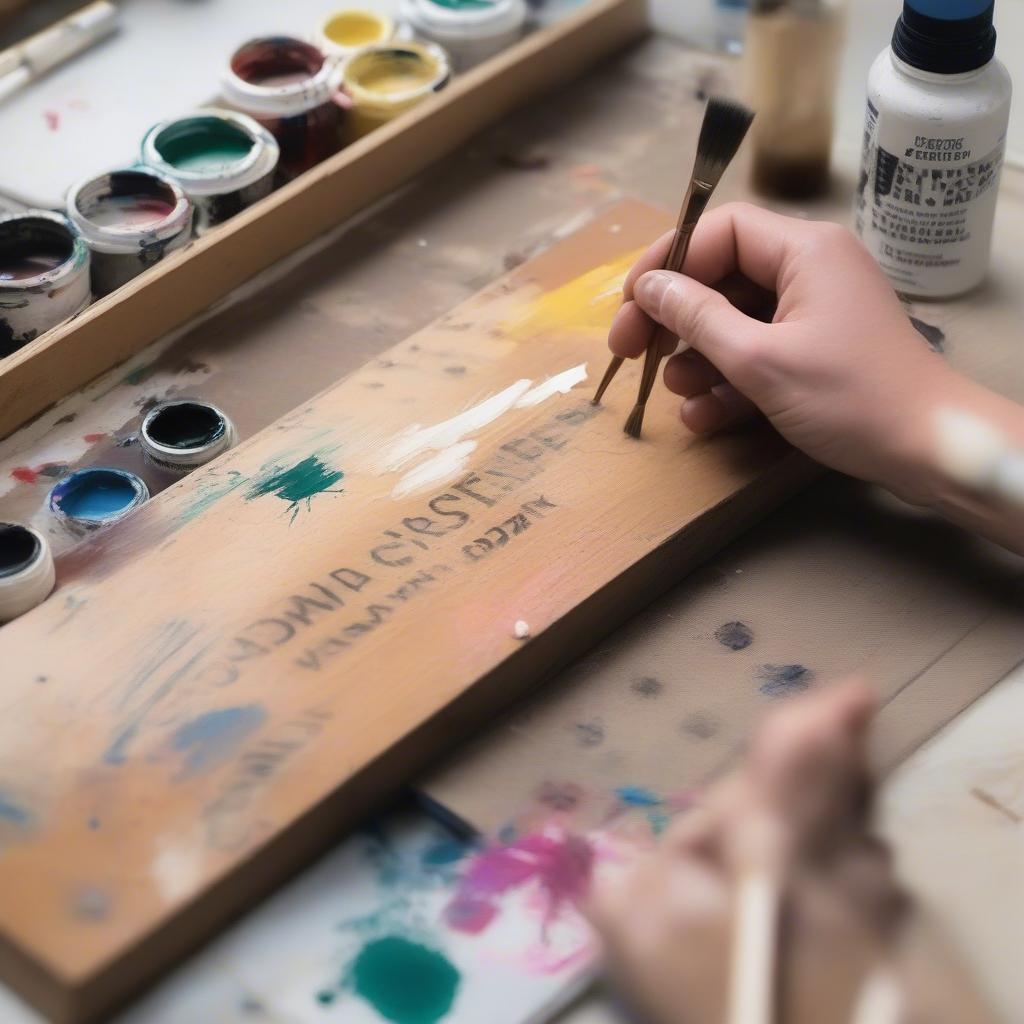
<point x="385" y="81"/>
<point x="342" y="33"/>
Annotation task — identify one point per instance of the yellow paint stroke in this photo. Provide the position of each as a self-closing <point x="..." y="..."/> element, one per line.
<point x="586" y="303"/>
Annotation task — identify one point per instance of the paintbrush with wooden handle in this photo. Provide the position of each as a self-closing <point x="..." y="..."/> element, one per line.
<point x="725" y="125"/>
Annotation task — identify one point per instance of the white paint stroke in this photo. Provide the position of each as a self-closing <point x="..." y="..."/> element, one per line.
<point x="416" y="439"/>
<point x="438" y="467"/>
<point x="177" y="868"/>
<point x="560" y="384"/>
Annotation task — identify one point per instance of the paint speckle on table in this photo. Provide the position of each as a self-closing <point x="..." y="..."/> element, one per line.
<point x="298" y="483"/>
<point x="521" y="629"/>
<point x="404" y="981"/>
<point x="933" y="335"/>
<point x="737" y="636"/>
<point x="212" y="738"/>
<point x="637" y="796"/>
<point x="783" y="680"/>
<point x="52" y="119"/>
<point x="647" y="687"/>
<point x="701" y="725"/>
<point x="560" y="796"/>
<point x="589" y="734"/>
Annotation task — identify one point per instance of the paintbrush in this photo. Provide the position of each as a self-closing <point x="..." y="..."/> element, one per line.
<point x="752" y="975"/>
<point x="725" y="124"/>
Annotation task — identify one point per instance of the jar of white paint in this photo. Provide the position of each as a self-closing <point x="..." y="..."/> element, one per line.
<point x="937" y="114"/>
<point x="469" y="30"/>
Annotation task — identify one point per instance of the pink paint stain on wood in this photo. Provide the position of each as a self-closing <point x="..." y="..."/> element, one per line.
<point x="52" y="119"/>
<point x="559" y="863"/>
<point x="93" y="438"/>
<point x="25" y="474"/>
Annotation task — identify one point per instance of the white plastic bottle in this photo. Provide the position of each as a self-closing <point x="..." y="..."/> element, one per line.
<point x="938" y="107"/>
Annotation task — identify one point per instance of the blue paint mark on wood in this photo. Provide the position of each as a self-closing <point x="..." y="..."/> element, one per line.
<point x="637" y="796"/>
<point x="12" y="811"/>
<point x="213" y="737"/>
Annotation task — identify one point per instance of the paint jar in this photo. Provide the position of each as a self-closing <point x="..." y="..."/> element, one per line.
<point x="225" y="161"/>
<point x="27" y="575"/>
<point x="95" y="497"/>
<point x="385" y="81"/>
<point x="184" y="434"/>
<point x="469" y="30"/>
<point x="342" y="33"/>
<point x="130" y="220"/>
<point x="291" y="88"/>
<point x="44" y="276"/>
<point x="791" y="66"/>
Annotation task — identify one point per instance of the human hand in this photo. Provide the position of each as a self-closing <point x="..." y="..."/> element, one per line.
<point x="800" y="804"/>
<point x="838" y="369"/>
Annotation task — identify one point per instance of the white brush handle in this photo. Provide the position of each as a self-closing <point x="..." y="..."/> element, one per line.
<point x="752" y="976"/>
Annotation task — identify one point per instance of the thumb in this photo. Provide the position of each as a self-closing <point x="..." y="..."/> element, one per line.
<point x="697" y="315"/>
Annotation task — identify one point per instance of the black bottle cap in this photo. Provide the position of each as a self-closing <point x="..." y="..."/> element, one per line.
<point x="947" y="37"/>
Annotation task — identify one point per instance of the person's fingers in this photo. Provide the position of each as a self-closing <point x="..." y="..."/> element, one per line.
<point x="701" y="317"/>
<point x="689" y="373"/>
<point x="630" y="332"/>
<point x="720" y="408"/>
<point x="653" y="259"/>
<point x="739" y="237"/>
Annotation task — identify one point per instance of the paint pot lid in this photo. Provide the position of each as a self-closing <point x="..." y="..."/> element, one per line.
<point x="185" y="433"/>
<point x="53" y="229"/>
<point x="945" y="37"/>
<point x="466" y="18"/>
<point x="26" y="569"/>
<point x="427" y="55"/>
<point x="288" y="99"/>
<point x="260" y="160"/>
<point x="335" y="49"/>
<point x="97" y="496"/>
<point x="85" y="198"/>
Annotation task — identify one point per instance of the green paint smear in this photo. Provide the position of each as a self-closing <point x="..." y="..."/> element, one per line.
<point x="404" y="981"/>
<point x="298" y="483"/>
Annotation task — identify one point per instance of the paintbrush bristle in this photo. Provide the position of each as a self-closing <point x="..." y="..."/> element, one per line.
<point x="725" y="125"/>
<point x="635" y="423"/>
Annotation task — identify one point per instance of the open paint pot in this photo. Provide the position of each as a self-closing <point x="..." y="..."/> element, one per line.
<point x="130" y="220"/>
<point x="98" y="496"/>
<point x="44" y="276"/>
<point x="342" y="33"/>
<point x="291" y="88"/>
<point x="26" y="570"/>
<point x="385" y="81"/>
<point x="184" y="434"/>
<point x="469" y="30"/>
<point x="223" y="160"/>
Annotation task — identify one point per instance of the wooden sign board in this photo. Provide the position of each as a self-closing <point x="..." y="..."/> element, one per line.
<point x="224" y="682"/>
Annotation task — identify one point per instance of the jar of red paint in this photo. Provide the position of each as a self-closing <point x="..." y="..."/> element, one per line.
<point x="293" y="90"/>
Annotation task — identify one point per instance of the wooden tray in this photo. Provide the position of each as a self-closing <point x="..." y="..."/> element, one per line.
<point x="188" y="281"/>
<point x="225" y="681"/>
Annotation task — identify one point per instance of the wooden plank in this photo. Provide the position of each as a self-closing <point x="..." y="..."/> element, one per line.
<point x="188" y="281"/>
<point x="232" y="675"/>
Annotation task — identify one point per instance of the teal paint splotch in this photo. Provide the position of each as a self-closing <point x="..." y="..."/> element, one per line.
<point x="213" y="737"/>
<point x="406" y="983"/>
<point x="209" y="493"/>
<point x="298" y="483"/>
<point x="637" y="796"/>
<point x="444" y="852"/>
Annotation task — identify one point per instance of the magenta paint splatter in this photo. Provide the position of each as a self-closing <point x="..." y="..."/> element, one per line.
<point x="559" y="863"/>
<point x="52" y="119"/>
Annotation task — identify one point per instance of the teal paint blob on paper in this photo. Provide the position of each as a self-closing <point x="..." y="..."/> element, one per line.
<point x="405" y="982"/>
<point x="298" y="483"/>
<point x="446" y="851"/>
<point x="637" y="796"/>
<point x="12" y="811"/>
<point x="212" y="738"/>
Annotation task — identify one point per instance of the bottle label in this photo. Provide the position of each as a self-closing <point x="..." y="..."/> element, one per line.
<point x="926" y="200"/>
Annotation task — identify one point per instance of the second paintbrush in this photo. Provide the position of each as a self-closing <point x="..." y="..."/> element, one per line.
<point x="725" y="124"/>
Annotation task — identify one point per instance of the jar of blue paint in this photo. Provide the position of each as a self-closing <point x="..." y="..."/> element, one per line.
<point x="99" y="496"/>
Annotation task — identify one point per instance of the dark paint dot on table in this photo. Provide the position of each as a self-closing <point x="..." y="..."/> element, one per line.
<point x="782" y="680"/>
<point x="42" y="679"/>
<point x="250" y="1004"/>
<point x="589" y="734"/>
<point x="560" y="796"/>
<point x="91" y="904"/>
<point x="735" y="635"/>
<point x="701" y="725"/>
<point x="455" y="371"/>
<point x="326" y="997"/>
<point x="94" y="823"/>
<point x="647" y="687"/>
